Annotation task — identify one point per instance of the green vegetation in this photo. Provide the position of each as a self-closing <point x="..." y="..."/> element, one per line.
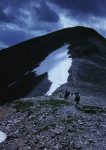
<point x="53" y="102"/>
<point x="92" y="109"/>
<point x="23" y="106"/>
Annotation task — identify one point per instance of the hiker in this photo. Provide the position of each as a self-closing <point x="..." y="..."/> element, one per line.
<point x="66" y="95"/>
<point x="61" y="95"/>
<point x="72" y="94"/>
<point x="77" y="98"/>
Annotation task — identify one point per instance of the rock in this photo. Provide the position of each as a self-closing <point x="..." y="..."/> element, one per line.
<point x="77" y="145"/>
<point x="14" y="147"/>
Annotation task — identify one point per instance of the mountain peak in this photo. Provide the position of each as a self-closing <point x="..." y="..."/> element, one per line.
<point x="87" y="74"/>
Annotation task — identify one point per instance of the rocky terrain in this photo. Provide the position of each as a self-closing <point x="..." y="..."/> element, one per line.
<point x="53" y="123"/>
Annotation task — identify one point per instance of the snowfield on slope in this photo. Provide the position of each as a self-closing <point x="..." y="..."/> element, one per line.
<point x="57" y="65"/>
<point x="2" y="137"/>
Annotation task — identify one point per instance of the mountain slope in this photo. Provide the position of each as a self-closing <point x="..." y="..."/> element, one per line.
<point x="88" y="70"/>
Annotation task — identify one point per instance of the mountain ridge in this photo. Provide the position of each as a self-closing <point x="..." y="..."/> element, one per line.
<point x="65" y="29"/>
<point x="17" y="62"/>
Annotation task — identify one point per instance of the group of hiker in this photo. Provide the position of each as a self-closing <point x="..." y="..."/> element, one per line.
<point x="76" y="99"/>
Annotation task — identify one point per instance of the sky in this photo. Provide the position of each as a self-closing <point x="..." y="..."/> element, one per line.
<point x="21" y="20"/>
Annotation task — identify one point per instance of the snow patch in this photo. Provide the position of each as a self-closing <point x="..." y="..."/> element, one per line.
<point x="2" y="136"/>
<point x="56" y="65"/>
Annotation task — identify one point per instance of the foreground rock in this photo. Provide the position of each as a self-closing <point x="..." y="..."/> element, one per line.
<point x="45" y="123"/>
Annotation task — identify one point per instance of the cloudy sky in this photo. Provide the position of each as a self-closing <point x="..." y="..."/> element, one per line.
<point x="24" y="19"/>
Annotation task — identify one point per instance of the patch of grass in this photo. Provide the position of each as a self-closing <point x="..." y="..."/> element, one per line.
<point x="22" y="106"/>
<point x="92" y="109"/>
<point x="53" y="102"/>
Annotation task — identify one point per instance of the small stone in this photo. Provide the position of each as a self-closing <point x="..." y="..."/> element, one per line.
<point x="77" y="146"/>
<point x="90" y="141"/>
<point x="13" y="147"/>
<point x="68" y="130"/>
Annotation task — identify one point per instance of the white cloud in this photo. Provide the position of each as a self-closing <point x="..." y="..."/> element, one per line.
<point x="96" y="23"/>
<point x="67" y="21"/>
<point x="7" y="11"/>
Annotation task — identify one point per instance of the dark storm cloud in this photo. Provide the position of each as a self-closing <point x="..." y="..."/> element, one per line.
<point x="83" y="7"/>
<point x="11" y="10"/>
<point x="10" y="36"/>
<point x="46" y="14"/>
<point x="25" y="17"/>
<point x="4" y="17"/>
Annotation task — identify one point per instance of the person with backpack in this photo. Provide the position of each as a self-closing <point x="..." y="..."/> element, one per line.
<point x="67" y="94"/>
<point x="77" y="98"/>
